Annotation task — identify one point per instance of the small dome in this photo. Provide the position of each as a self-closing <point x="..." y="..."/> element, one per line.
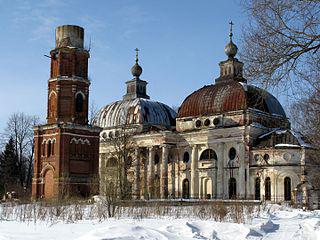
<point x="231" y="49"/>
<point x="229" y="96"/>
<point x="136" y="70"/>
<point x="135" y="111"/>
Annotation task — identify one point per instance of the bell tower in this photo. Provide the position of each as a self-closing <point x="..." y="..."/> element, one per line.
<point x="67" y="147"/>
<point x="68" y="87"/>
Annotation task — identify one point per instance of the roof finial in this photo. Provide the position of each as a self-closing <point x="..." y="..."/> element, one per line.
<point x="231" y="34"/>
<point x="231" y="49"/>
<point x="137" y="56"/>
<point x="136" y="70"/>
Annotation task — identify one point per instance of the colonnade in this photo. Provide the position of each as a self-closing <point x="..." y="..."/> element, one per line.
<point x="204" y="182"/>
<point x="159" y="172"/>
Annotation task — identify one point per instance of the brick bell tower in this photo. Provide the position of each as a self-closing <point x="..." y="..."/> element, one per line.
<point x="66" y="152"/>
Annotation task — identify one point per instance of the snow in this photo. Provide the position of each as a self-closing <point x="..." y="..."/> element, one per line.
<point x="287" y="145"/>
<point x="273" y="222"/>
<point x="297" y="135"/>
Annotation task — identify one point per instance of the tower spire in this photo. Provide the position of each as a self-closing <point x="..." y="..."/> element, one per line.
<point x="136" y="88"/>
<point x="232" y="68"/>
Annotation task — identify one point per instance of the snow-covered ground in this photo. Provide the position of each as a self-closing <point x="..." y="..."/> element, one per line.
<point x="275" y="222"/>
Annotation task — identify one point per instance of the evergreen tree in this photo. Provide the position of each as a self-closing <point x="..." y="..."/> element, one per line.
<point x="8" y="167"/>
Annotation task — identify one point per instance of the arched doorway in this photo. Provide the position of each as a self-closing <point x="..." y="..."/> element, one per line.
<point x="48" y="184"/>
<point x="232" y="188"/>
<point x="267" y="188"/>
<point x="208" y="188"/>
<point x="185" y="188"/>
<point x="257" y="189"/>
<point x="287" y="189"/>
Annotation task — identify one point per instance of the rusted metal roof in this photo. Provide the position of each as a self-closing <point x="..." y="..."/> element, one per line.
<point x="228" y="96"/>
<point x="135" y="111"/>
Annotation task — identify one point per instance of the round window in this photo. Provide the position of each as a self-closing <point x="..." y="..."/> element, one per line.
<point x="207" y="122"/>
<point x="287" y="156"/>
<point x="232" y="153"/>
<point x="198" y="123"/>
<point x="110" y="134"/>
<point x="216" y="121"/>
<point x="257" y="157"/>
<point x="104" y="135"/>
<point x="266" y="157"/>
<point x="117" y="134"/>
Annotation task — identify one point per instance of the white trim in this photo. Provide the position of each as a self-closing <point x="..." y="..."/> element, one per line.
<point x="52" y="92"/>
<point x="80" y="92"/>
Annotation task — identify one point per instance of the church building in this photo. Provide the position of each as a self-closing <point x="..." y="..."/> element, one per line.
<point x="228" y="140"/>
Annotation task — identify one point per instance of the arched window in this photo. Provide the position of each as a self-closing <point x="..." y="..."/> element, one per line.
<point x="79" y="103"/>
<point x="232" y="153"/>
<point x="257" y="189"/>
<point x="185" y="188"/>
<point x="52" y="104"/>
<point x="267" y="188"/>
<point x="52" y="147"/>
<point x="43" y="151"/>
<point x="232" y="188"/>
<point x="156" y="159"/>
<point x="287" y="189"/>
<point x="186" y="157"/>
<point x="49" y="148"/>
<point x="208" y="155"/>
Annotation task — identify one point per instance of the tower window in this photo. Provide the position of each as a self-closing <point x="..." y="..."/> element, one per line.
<point x="49" y="148"/>
<point x="79" y="103"/>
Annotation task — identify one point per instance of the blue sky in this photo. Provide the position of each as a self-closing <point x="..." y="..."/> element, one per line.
<point x="181" y="45"/>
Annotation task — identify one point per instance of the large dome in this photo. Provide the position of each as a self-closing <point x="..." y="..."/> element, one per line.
<point x="135" y="111"/>
<point x="226" y="96"/>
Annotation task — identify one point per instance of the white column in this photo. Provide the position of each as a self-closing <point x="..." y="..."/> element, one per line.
<point x="220" y="172"/>
<point x="177" y="175"/>
<point x="151" y="172"/>
<point x="164" y="172"/>
<point x="241" y="178"/>
<point x="194" y="173"/>
<point x="173" y="177"/>
<point x="137" y="175"/>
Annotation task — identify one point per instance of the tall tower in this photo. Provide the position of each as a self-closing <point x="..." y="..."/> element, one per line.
<point x="66" y="148"/>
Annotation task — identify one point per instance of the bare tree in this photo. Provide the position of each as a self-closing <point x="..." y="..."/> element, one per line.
<point x="20" y="129"/>
<point x="281" y="49"/>
<point x="93" y="110"/>
<point x="305" y="115"/>
<point x="281" y="43"/>
<point x="121" y="149"/>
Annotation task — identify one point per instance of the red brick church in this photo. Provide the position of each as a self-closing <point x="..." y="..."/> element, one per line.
<point x="67" y="147"/>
